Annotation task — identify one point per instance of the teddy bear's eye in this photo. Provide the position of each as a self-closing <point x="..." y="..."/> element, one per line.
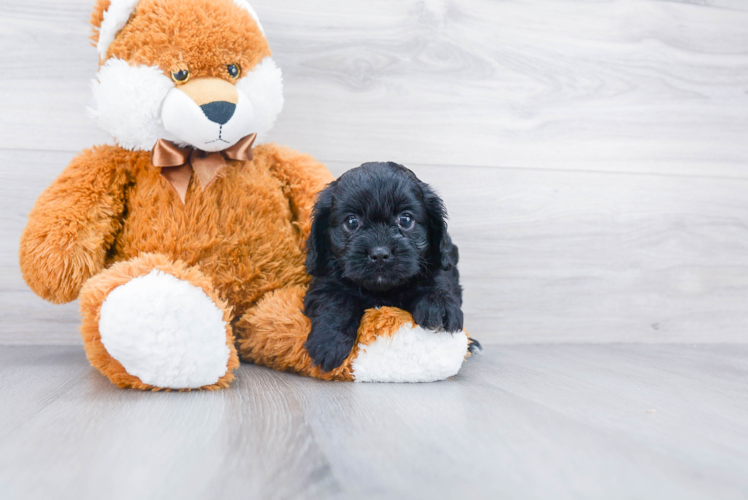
<point x="181" y="75"/>
<point x="234" y="70"/>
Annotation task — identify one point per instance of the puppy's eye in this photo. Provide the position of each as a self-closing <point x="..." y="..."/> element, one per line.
<point x="351" y="223"/>
<point x="405" y="221"/>
<point x="180" y="75"/>
<point x="234" y="70"/>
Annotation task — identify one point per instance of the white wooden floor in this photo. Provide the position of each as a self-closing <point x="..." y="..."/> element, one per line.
<point x="594" y="159"/>
<point x="541" y="421"/>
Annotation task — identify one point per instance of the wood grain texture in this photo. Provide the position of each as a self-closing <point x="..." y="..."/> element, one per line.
<point x="616" y="421"/>
<point x="645" y="86"/>
<point x="592" y="155"/>
<point x="546" y="256"/>
<point x="589" y="257"/>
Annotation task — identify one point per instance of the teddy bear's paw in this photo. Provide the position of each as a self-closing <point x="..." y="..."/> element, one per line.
<point x="166" y="332"/>
<point x="408" y="353"/>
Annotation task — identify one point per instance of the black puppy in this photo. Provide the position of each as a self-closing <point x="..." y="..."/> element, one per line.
<point x="379" y="238"/>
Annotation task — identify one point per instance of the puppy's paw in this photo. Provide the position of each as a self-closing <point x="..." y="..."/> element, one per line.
<point x="437" y="313"/>
<point x="474" y="346"/>
<point x="328" y="349"/>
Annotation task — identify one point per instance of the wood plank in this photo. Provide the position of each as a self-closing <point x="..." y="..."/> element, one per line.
<point x="208" y="445"/>
<point x="24" y="317"/>
<point x="546" y="256"/>
<point x="644" y="86"/>
<point x="543" y="421"/>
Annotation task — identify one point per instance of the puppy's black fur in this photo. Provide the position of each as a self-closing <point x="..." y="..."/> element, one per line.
<point x="379" y="238"/>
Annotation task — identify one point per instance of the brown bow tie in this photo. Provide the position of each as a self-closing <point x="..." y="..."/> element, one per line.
<point x="178" y="163"/>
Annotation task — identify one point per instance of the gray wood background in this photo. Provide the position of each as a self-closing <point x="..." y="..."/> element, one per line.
<point x="593" y="155"/>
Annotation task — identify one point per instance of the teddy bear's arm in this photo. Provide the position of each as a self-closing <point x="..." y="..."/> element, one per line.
<point x="302" y="176"/>
<point x="73" y="224"/>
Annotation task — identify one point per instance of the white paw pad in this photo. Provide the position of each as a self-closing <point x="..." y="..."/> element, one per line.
<point x="412" y="354"/>
<point x="165" y="331"/>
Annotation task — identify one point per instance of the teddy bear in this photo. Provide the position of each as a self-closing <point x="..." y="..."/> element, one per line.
<point x="184" y="242"/>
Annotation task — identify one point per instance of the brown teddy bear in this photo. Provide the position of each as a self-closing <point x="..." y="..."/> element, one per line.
<point x="183" y="243"/>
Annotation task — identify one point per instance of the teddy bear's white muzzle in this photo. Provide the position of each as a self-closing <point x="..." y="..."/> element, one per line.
<point x="213" y="126"/>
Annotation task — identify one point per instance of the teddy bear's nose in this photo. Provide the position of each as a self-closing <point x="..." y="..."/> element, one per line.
<point x="219" y="111"/>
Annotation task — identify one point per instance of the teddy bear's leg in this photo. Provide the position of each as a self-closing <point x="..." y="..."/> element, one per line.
<point x="389" y="348"/>
<point x="392" y="348"/>
<point x="272" y="333"/>
<point x="150" y="323"/>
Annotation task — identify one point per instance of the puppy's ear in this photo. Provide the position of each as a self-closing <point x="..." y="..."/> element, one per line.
<point x="318" y="244"/>
<point x="440" y="245"/>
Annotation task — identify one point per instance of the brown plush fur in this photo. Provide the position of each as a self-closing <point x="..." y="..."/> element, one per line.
<point x="213" y="35"/>
<point x="246" y="232"/>
<point x="110" y="216"/>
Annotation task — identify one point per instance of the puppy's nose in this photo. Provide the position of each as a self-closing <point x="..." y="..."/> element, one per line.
<point x="219" y="111"/>
<point x="379" y="254"/>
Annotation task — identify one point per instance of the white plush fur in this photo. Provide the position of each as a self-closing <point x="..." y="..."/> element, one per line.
<point x="264" y="88"/>
<point x="115" y="18"/>
<point x="129" y="102"/>
<point x="165" y="331"/>
<point x="119" y="12"/>
<point x="412" y="354"/>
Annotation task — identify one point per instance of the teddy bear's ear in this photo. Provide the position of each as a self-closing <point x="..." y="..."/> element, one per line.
<point x="97" y="17"/>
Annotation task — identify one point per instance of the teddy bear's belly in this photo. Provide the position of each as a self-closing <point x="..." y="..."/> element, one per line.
<point x="240" y="232"/>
